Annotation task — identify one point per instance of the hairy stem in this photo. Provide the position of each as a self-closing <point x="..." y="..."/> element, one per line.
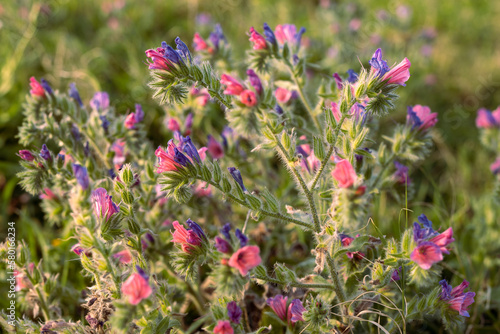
<point x="337" y="286"/>
<point x="43" y="304"/>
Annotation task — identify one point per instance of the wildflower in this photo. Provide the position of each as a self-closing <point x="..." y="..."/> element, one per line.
<point x="495" y="167"/>
<point x="222" y="245"/>
<point x="217" y="36"/>
<point x="77" y="249"/>
<point x="168" y="160"/>
<point x="268" y="32"/>
<point x="233" y="87"/>
<point x="134" y="118"/>
<point x="136" y="288"/>
<point x="443" y="239"/>
<point x="48" y="194"/>
<point x="401" y="174"/>
<point x="245" y="259"/>
<point x="188" y="239"/>
<point x="395" y="274"/>
<point x="199" y="44"/>
<point x="100" y="101"/>
<point x="241" y="237"/>
<point x="345" y="240"/>
<point x="283" y="95"/>
<point x="247" y="97"/>
<point x="173" y="125"/>
<point x="254" y="81"/>
<point x="215" y="148"/>
<point x="104" y="122"/>
<point x="223" y="327"/>
<point x="398" y="75"/>
<point x="287" y="33"/>
<point x="81" y="175"/>
<point x="486" y="119"/>
<point x="259" y="42"/>
<point x="344" y="174"/>
<point x="295" y="311"/>
<point x="46" y="86"/>
<point x="336" y="111"/>
<point x="235" y="173"/>
<point x="103" y="204"/>
<point x="278" y="304"/>
<point x="456" y="297"/>
<point x="183" y="49"/>
<point x="352" y="76"/>
<point x="234" y="312"/>
<point x="123" y="256"/>
<point x="36" y="88"/>
<point x="26" y="155"/>
<point x="338" y="81"/>
<point x="225" y="231"/>
<point x="426" y="254"/>
<point x="119" y="148"/>
<point x="420" y="117"/>
<point x="45" y="153"/>
<point x="197" y="230"/>
<point x="201" y="98"/>
<point x="73" y="93"/>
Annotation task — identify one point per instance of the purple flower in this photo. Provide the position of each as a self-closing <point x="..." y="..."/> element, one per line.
<point x="287" y="33"/>
<point x="241" y="237"/>
<point x="86" y="149"/>
<point x="75" y="132"/>
<point x="401" y="173"/>
<point x="269" y="34"/>
<point x="46" y="86"/>
<point x="456" y="297"/>
<point x="487" y="119"/>
<point x="45" y="153"/>
<point x="104" y="123"/>
<point x="234" y="312"/>
<point x="295" y="311"/>
<point x="278" y="304"/>
<point x="353" y="76"/>
<point x="196" y="229"/>
<point x="254" y="81"/>
<point x="395" y="274"/>
<point x="141" y="272"/>
<point x="215" y="148"/>
<point x="81" y="175"/>
<point x="103" y="204"/>
<point x="425" y="232"/>
<point x="421" y="117"/>
<point x="338" y="80"/>
<point x="217" y="36"/>
<point x="169" y="53"/>
<point x="189" y="148"/>
<point x="100" y="101"/>
<point x="379" y="64"/>
<point x="26" y="155"/>
<point x="235" y="173"/>
<point x="225" y="231"/>
<point x="222" y="245"/>
<point x="278" y="109"/>
<point x="183" y="49"/>
<point x="77" y="249"/>
<point x="180" y="158"/>
<point x="495" y="167"/>
<point x="73" y="93"/>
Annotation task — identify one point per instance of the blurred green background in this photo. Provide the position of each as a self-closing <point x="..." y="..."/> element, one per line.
<point x="453" y="46"/>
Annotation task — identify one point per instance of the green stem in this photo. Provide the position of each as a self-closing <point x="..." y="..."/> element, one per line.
<point x="276" y="215"/>
<point x="296" y="284"/>
<point x="300" y="181"/>
<point x="337" y="286"/>
<point x="324" y="163"/>
<point x="303" y="97"/>
<point x="43" y="304"/>
<point x="382" y="171"/>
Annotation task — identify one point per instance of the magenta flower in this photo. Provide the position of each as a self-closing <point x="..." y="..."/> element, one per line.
<point x="338" y="81"/>
<point x="336" y="111"/>
<point x="344" y="174"/>
<point x="287" y="33"/>
<point x="233" y="86"/>
<point x="495" y="167"/>
<point x="200" y="44"/>
<point x="295" y="311"/>
<point x="223" y="327"/>
<point x="136" y="288"/>
<point x="166" y="159"/>
<point x="123" y="256"/>
<point x="100" y="101"/>
<point x="248" y="98"/>
<point x="48" y="194"/>
<point x="278" y="304"/>
<point x="398" y="75"/>
<point x="259" y="42"/>
<point x="26" y="155"/>
<point x="36" y="88"/>
<point x="456" y="297"/>
<point x="401" y="174"/>
<point x="421" y="117"/>
<point x="234" y="312"/>
<point x="119" y="148"/>
<point x="103" y="205"/>
<point x="426" y="254"/>
<point x="222" y="245"/>
<point x="215" y="148"/>
<point x="283" y="95"/>
<point x="486" y="119"/>
<point x="444" y="239"/>
<point x="245" y="259"/>
<point x="77" y="249"/>
<point x="188" y="239"/>
<point x="81" y="175"/>
<point x="254" y="81"/>
<point x="134" y="118"/>
<point x="173" y="125"/>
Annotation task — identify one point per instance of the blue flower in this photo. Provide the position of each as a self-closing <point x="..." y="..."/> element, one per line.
<point x="45" y="153"/>
<point x="46" y="86"/>
<point x="183" y="49"/>
<point x="241" y="237"/>
<point x="378" y="63"/>
<point x="268" y="32"/>
<point x="73" y="93"/>
<point x="196" y="229"/>
<point x="353" y="76"/>
<point x="81" y="175"/>
<point x="235" y="173"/>
<point x="225" y="231"/>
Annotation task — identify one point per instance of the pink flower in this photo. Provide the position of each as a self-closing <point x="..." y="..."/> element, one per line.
<point x="399" y="74"/>
<point x="173" y="125"/>
<point x="136" y="288"/>
<point x="426" y="254"/>
<point x="186" y="238"/>
<point x="245" y="259"/>
<point x="123" y="256"/>
<point x="36" y="88"/>
<point x="103" y="205"/>
<point x="119" y="148"/>
<point x="200" y="44"/>
<point x="283" y="95"/>
<point x="444" y="239"/>
<point x="278" y="304"/>
<point x="247" y="97"/>
<point x="495" y="167"/>
<point x="457" y="298"/>
<point x="259" y="42"/>
<point x="202" y="189"/>
<point x="421" y="117"/>
<point x="130" y="121"/>
<point x="295" y="311"/>
<point x="336" y="111"/>
<point x="233" y="87"/>
<point x="223" y="327"/>
<point x="215" y="148"/>
<point x="77" y="249"/>
<point x="166" y="160"/>
<point x="201" y="96"/>
<point x="344" y="174"/>
<point x="486" y="119"/>
<point x="48" y="194"/>
<point x="292" y="314"/>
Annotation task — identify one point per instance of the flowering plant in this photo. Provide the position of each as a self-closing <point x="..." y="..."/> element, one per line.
<point x="268" y="244"/>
